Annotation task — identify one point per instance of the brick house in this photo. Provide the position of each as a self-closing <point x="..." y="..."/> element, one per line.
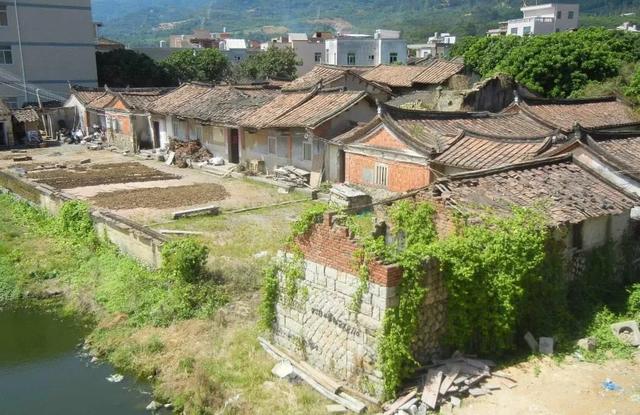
<point x="208" y="113"/>
<point x="401" y="150"/>
<point x="563" y="114"/>
<point x="326" y="332"/>
<point x="298" y="129"/>
<point x="404" y="79"/>
<point x="122" y="114"/>
<point x="331" y="76"/>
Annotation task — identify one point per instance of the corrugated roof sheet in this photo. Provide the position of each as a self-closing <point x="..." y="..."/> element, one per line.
<point x="474" y="152"/>
<point x="590" y="113"/>
<point x="570" y="193"/>
<point x="223" y="105"/>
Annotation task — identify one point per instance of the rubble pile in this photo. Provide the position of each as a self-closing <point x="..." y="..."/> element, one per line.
<point x="187" y="152"/>
<point x="447" y="382"/>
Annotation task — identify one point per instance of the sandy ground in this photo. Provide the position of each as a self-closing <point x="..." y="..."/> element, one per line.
<point x="546" y="387"/>
<point x="242" y="193"/>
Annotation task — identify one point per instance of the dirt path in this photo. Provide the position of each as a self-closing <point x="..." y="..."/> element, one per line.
<point x="572" y="388"/>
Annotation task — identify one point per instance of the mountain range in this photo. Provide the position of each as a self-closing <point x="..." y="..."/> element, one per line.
<point x="145" y="22"/>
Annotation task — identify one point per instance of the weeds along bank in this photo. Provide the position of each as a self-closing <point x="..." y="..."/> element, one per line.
<point x="371" y="303"/>
<point x="178" y="324"/>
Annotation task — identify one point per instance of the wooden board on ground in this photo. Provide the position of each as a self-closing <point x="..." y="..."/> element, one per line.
<point x="432" y="387"/>
<point x="208" y="210"/>
<point x="401" y="401"/>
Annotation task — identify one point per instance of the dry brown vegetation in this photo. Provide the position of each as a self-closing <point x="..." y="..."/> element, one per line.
<point x="161" y="198"/>
<point x="99" y="174"/>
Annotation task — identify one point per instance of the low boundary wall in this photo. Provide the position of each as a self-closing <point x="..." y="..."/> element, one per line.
<point x="130" y="237"/>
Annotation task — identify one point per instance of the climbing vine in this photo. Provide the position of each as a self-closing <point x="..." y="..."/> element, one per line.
<point x="291" y="270"/>
<point x="414" y="231"/>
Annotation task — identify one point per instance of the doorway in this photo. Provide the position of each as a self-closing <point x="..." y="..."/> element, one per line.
<point x="156" y="134"/>
<point x="234" y="146"/>
<point x="3" y="135"/>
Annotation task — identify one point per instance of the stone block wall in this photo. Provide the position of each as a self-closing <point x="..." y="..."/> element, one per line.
<point x="321" y="326"/>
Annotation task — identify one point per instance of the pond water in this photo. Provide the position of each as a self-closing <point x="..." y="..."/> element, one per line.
<point x="43" y="371"/>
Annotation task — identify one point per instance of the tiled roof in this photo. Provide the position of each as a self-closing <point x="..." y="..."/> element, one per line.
<point x="224" y="105"/>
<point x="619" y="149"/>
<point x="102" y="102"/>
<point x="305" y="110"/>
<point x="568" y="191"/>
<point x="268" y="113"/>
<point x="394" y="75"/>
<point x="590" y="113"/>
<point x="439" y="72"/>
<point x="28" y="114"/>
<point x="441" y="128"/>
<point x="319" y="73"/>
<point x="86" y="95"/>
<point x="141" y="100"/>
<point x="403" y="76"/>
<point x="473" y="151"/>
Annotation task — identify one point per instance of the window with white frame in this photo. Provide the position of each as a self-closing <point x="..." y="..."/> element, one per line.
<point x="526" y="30"/>
<point x="351" y="58"/>
<point x="272" y="145"/>
<point x="382" y="175"/>
<point x="4" y="17"/>
<point x="307" y="149"/>
<point x="6" y="57"/>
<point x="514" y="30"/>
<point x="176" y="127"/>
<point x="393" y="57"/>
<point x="317" y="57"/>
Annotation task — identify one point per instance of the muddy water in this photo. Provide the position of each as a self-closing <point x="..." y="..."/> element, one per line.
<point x="42" y="370"/>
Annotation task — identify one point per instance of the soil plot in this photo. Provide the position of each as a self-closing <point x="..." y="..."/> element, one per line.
<point x="161" y="198"/>
<point x="99" y="174"/>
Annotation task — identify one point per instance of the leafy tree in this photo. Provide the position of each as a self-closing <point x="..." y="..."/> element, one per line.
<point x="555" y="65"/>
<point x="203" y="65"/>
<point x="124" y="67"/>
<point x="275" y="63"/>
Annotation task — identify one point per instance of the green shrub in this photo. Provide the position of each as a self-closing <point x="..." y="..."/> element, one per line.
<point x="633" y="303"/>
<point x="185" y="259"/>
<point x="75" y="220"/>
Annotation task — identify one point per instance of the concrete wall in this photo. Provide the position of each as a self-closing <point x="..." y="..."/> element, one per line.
<point x="131" y="238"/>
<point x="368" y="51"/>
<point x="322" y="328"/>
<point x="58" y="46"/>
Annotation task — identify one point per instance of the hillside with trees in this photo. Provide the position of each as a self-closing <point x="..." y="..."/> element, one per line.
<point x="144" y="22"/>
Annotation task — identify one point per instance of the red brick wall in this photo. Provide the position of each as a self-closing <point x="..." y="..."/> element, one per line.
<point x="402" y="176"/>
<point x="383" y="139"/>
<point x="333" y="247"/>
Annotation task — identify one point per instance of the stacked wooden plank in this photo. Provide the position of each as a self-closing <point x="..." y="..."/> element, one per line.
<point x="448" y="381"/>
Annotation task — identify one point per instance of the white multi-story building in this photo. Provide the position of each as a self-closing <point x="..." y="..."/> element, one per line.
<point x="384" y="47"/>
<point x="545" y="18"/>
<point x="437" y="45"/>
<point x="44" y="46"/>
<point x="310" y="51"/>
